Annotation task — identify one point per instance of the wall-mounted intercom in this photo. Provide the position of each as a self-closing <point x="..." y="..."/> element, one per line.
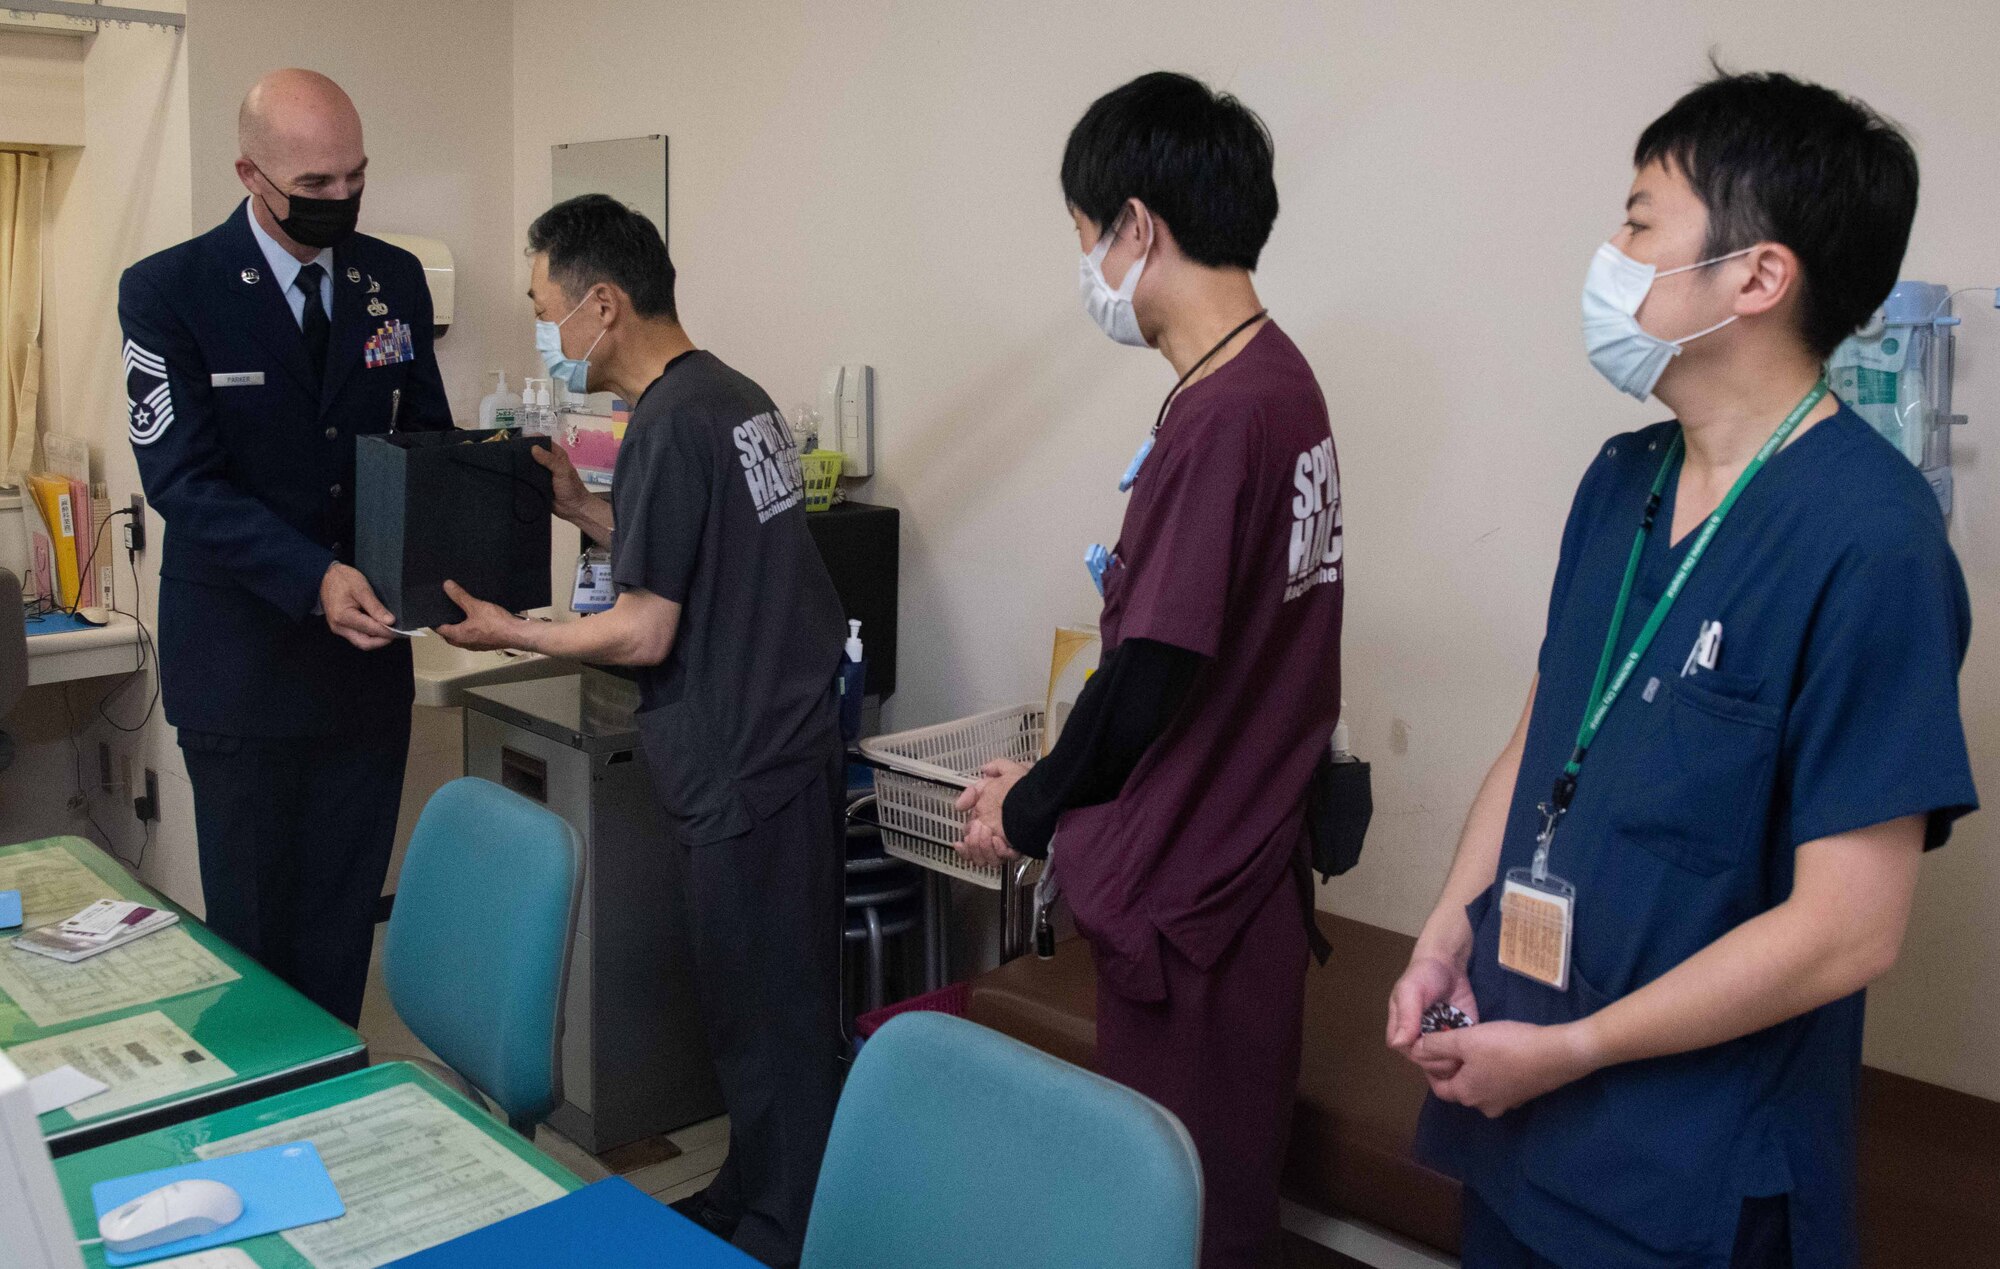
<point x="847" y="417"/>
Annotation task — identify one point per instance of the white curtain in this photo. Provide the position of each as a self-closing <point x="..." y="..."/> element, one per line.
<point x="23" y="178"/>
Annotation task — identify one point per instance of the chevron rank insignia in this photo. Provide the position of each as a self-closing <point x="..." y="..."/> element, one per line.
<point x="147" y="395"/>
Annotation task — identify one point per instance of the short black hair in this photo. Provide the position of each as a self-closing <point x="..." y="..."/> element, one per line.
<point x="1776" y="159"/>
<point x="595" y="238"/>
<point x="1198" y="159"/>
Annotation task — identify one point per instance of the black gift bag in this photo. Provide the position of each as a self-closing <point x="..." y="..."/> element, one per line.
<point x="469" y="506"/>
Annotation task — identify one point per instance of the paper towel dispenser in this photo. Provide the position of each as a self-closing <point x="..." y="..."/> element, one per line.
<point x="438" y="272"/>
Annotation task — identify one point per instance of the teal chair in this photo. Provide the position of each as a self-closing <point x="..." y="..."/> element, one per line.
<point x="479" y="940"/>
<point x="956" y="1145"/>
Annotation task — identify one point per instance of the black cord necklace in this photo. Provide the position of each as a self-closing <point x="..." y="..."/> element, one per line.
<point x="1221" y="344"/>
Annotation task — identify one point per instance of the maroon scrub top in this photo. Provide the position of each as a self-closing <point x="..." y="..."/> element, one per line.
<point x="1231" y="548"/>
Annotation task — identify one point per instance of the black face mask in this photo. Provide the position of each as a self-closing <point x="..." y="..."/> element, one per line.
<point x="316" y="222"/>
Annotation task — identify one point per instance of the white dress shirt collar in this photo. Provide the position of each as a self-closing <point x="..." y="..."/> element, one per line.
<point x="285" y="266"/>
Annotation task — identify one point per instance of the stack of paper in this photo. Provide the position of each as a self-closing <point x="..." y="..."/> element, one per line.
<point x="103" y="925"/>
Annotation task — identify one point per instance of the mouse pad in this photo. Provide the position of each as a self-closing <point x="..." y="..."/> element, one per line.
<point x="282" y="1187"/>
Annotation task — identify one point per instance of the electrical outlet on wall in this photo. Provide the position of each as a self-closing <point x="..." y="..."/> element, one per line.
<point x="147" y="805"/>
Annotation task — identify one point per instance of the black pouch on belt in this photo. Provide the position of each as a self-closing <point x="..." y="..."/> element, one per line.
<point x="1339" y="804"/>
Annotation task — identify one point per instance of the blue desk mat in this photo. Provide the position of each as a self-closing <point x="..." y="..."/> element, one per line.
<point x="609" y="1225"/>
<point x="282" y="1187"/>
<point x="55" y="623"/>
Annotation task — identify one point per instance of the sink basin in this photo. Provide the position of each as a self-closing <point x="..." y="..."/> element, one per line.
<point x="445" y="672"/>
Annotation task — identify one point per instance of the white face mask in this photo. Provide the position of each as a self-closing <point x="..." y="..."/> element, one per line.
<point x="1111" y="310"/>
<point x="1623" y="352"/>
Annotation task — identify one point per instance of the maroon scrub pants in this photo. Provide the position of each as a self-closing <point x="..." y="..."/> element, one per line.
<point x="1222" y="1053"/>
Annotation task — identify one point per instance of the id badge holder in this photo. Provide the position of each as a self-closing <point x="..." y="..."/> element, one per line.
<point x="1536" y="918"/>
<point x="593" y="591"/>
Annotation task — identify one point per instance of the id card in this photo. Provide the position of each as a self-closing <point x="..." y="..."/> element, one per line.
<point x="594" y="591"/>
<point x="106" y="919"/>
<point x="1535" y="922"/>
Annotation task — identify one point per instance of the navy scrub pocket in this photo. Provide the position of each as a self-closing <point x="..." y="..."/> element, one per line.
<point x="1706" y="771"/>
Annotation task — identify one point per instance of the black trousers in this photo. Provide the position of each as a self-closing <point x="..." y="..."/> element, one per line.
<point x="295" y="837"/>
<point x="1763" y="1238"/>
<point x="765" y="915"/>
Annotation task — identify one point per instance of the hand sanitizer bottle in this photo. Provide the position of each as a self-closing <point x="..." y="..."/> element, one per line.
<point x="853" y="682"/>
<point x="499" y="408"/>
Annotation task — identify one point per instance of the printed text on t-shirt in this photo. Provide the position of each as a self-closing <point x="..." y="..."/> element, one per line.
<point x="770" y="458"/>
<point x="1316" y="522"/>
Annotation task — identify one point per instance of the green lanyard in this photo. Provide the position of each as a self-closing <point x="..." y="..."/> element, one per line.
<point x="1604" y="694"/>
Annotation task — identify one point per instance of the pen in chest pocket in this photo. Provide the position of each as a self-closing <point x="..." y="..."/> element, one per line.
<point x="1707" y="649"/>
<point x="395" y="406"/>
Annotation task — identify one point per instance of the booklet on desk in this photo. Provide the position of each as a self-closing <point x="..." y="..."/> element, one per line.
<point x="609" y="1225"/>
<point x="103" y="925"/>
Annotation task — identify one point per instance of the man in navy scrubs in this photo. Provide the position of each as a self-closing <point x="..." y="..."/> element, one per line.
<point x="1663" y="913"/>
<point x="1175" y="792"/>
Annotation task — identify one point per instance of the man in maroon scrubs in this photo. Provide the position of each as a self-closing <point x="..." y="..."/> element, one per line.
<point x="1176" y="791"/>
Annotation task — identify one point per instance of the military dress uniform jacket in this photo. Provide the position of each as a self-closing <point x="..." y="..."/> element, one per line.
<point x="247" y="452"/>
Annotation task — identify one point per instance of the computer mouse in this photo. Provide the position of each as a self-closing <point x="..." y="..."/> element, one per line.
<point x="183" y="1209"/>
<point x="94" y="616"/>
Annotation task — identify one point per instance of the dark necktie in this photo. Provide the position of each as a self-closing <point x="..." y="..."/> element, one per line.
<point x="316" y="328"/>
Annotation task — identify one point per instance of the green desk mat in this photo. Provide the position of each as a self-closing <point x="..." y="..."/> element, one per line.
<point x="167" y="1147"/>
<point x="256" y="1024"/>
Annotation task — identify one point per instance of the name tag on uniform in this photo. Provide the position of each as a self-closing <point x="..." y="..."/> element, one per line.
<point x="238" y="379"/>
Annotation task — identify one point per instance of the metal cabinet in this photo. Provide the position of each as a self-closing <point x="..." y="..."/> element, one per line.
<point x="633" y="1060"/>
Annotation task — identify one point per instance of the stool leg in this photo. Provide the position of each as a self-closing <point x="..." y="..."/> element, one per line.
<point x="933" y="931"/>
<point x="875" y="986"/>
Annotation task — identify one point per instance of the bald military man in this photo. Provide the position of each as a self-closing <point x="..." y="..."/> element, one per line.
<point x="254" y="355"/>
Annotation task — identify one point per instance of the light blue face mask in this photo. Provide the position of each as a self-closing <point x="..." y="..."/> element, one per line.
<point x="572" y="372"/>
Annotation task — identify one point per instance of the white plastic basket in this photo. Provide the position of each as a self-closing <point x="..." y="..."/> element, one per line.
<point x="930" y="767"/>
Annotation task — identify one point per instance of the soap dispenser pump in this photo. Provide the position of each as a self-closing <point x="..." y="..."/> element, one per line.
<point x="853" y="683"/>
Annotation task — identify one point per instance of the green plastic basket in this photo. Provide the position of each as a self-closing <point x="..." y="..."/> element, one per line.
<point x="822" y="470"/>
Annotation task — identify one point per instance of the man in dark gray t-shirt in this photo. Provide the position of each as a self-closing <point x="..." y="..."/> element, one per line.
<point x="710" y="510"/>
<point x="732" y="624"/>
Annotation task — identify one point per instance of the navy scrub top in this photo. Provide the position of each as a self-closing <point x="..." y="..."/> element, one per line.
<point x="1833" y="707"/>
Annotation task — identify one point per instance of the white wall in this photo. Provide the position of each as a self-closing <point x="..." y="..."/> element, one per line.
<point x="877" y="181"/>
<point x="121" y="196"/>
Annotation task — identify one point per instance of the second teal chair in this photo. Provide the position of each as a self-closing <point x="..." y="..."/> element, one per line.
<point x="956" y="1145"/>
<point x="479" y="939"/>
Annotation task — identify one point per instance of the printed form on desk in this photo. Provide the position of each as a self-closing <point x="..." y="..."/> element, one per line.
<point x="138" y="1059"/>
<point x="413" y="1172"/>
<point x="157" y="967"/>
<point x="54" y="885"/>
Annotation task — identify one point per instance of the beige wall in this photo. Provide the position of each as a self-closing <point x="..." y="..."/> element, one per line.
<point x="41" y="88"/>
<point x="876" y="181"/>
<point x="120" y="196"/>
<point x="432" y="81"/>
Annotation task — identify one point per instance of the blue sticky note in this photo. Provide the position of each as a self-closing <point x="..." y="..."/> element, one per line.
<point x="10" y="909"/>
<point x="282" y="1187"/>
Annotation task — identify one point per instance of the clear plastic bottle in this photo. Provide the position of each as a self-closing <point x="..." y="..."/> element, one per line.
<point x="538" y="415"/>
